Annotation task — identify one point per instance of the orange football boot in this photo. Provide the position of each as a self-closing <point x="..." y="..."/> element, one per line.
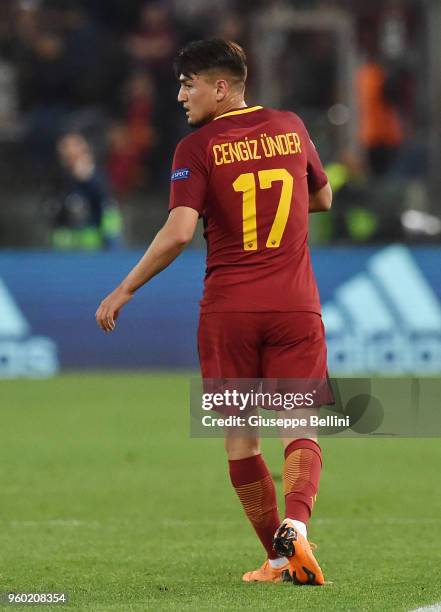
<point x="266" y="573"/>
<point x="303" y="566"/>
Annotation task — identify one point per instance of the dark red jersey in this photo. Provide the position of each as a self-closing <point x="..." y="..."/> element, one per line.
<point x="249" y="174"/>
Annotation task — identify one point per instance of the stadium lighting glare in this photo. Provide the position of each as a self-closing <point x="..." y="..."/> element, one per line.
<point x="338" y="114"/>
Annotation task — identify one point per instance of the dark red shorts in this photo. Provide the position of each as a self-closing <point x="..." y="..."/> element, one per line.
<point x="277" y="353"/>
<point x="262" y="345"/>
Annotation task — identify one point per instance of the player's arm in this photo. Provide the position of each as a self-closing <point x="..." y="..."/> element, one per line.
<point x="321" y="200"/>
<point x="168" y="243"/>
<point x="320" y="192"/>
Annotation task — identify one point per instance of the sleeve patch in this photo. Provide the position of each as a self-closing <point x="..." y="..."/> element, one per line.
<point x="180" y="174"/>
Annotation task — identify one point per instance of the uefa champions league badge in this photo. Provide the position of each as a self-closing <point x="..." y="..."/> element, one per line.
<point x="180" y="174"/>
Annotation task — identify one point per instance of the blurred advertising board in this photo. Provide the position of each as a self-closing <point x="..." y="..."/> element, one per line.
<point x="381" y="308"/>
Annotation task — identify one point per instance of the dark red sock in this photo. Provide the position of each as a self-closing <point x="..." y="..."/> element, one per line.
<point x="255" y="488"/>
<point x="301" y="476"/>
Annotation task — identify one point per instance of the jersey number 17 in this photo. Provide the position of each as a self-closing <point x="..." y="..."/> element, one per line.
<point x="246" y="184"/>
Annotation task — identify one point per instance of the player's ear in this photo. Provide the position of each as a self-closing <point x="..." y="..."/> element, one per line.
<point x="222" y="88"/>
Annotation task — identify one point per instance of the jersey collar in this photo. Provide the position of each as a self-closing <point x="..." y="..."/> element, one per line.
<point x="239" y="111"/>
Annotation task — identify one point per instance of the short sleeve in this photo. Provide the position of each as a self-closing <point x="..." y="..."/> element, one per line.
<point x="189" y="176"/>
<point x="316" y="175"/>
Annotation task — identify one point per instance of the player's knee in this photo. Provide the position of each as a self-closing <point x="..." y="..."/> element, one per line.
<point x="241" y="448"/>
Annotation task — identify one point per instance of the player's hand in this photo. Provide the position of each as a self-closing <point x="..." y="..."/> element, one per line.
<point x="109" y="308"/>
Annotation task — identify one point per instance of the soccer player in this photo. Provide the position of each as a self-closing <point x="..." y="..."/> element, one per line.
<point x="253" y="175"/>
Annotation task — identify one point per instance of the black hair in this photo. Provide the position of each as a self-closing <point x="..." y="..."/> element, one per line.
<point x="211" y="54"/>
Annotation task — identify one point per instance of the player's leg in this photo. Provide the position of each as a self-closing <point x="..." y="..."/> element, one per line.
<point x="254" y="486"/>
<point x="228" y="349"/>
<point x="296" y="349"/>
<point x="301" y="477"/>
<point x="301" y="473"/>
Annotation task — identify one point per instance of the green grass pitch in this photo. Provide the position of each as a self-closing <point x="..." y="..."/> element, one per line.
<point x="104" y="495"/>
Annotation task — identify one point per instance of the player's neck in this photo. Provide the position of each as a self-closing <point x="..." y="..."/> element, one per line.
<point x="229" y="105"/>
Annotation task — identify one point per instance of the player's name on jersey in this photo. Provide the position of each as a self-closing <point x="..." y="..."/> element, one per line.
<point x="257" y="148"/>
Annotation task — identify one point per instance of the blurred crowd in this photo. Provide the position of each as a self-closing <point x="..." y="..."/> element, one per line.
<point x="104" y="69"/>
<point x="86" y="86"/>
